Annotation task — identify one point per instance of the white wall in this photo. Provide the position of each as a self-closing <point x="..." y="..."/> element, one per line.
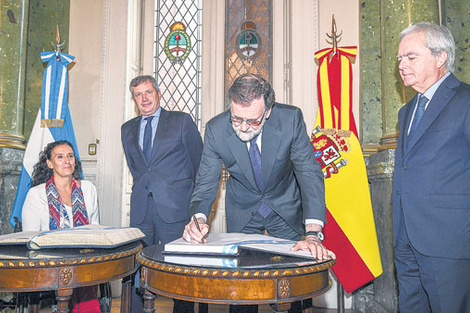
<point x="84" y="77"/>
<point x="97" y="94"/>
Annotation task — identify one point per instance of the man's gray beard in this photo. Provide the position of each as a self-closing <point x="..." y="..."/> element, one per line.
<point x="247" y="136"/>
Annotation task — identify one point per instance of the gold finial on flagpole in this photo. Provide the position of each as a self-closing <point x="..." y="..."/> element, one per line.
<point x="335" y="38"/>
<point x="57" y="37"/>
<point x="57" y="46"/>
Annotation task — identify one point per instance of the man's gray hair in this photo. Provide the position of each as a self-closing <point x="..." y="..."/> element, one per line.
<point x="438" y="39"/>
<point x="249" y="87"/>
<point x="136" y="81"/>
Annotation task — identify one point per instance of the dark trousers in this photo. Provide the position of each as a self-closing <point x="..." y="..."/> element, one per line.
<point x="276" y="227"/>
<point x="157" y="231"/>
<point x="430" y="284"/>
<point x="273" y="224"/>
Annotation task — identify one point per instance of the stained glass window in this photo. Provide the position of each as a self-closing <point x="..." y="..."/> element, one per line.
<point x="248" y="39"/>
<point x="248" y="42"/>
<point x="177" y="54"/>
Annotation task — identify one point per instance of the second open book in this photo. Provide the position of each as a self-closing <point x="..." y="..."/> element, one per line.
<point x="86" y="236"/>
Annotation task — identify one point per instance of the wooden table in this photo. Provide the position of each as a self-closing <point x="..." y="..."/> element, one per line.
<point x="62" y="270"/>
<point x="258" y="278"/>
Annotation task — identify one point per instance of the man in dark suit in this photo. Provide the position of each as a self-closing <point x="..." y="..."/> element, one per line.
<point x="431" y="189"/>
<point x="275" y="183"/>
<point x="163" y="150"/>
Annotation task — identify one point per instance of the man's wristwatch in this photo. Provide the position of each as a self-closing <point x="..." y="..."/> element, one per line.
<point x="318" y="234"/>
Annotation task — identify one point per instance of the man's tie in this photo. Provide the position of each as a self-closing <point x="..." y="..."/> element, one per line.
<point x="148" y="139"/>
<point x="255" y="157"/>
<point x="422" y="100"/>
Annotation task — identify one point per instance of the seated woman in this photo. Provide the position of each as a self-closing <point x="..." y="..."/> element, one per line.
<point x="59" y="199"/>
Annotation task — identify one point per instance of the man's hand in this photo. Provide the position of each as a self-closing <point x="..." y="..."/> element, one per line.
<point x="316" y="248"/>
<point x="313" y="244"/>
<point x="192" y="234"/>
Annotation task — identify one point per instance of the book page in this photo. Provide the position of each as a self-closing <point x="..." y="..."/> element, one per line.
<point x="17" y="238"/>
<point x="278" y="246"/>
<point x="86" y="236"/>
<point x="231" y="243"/>
<point x="94" y="236"/>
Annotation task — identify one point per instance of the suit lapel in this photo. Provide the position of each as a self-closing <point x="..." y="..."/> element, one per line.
<point x="134" y="131"/>
<point x="406" y="123"/>
<point x="441" y="98"/>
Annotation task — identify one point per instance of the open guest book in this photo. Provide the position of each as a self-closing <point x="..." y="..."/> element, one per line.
<point x="86" y="236"/>
<point x="222" y="249"/>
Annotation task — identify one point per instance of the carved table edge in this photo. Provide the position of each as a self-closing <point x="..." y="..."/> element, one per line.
<point x="235" y="272"/>
<point x="68" y="262"/>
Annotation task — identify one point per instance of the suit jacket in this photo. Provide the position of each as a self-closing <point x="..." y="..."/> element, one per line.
<point x="171" y="172"/>
<point x="292" y="178"/>
<point x="432" y="174"/>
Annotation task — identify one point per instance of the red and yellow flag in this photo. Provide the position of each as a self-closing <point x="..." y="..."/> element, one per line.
<point x="350" y="231"/>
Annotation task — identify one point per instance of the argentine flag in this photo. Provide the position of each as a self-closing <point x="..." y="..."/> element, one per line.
<point x="53" y="122"/>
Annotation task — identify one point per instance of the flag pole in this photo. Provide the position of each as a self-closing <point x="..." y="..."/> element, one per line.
<point x="335" y="39"/>
<point x="340" y="296"/>
<point x="53" y="121"/>
<point x="57" y="46"/>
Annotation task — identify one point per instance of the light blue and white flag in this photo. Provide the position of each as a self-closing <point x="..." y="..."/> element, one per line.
<point x="53" y="122"/>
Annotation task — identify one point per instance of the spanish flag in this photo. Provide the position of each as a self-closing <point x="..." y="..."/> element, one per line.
<point x="350" y="231"/>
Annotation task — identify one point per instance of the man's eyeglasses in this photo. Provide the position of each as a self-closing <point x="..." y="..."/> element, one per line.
<point x="237" y="121"/>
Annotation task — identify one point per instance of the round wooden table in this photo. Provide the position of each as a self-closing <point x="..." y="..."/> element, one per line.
<point x="62" y="270"/>
<point x="254" y="278"/>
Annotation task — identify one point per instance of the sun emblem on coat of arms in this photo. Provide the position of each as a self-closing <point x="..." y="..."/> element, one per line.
<point x="177" y="43"/>
<point x="248" y="44"/>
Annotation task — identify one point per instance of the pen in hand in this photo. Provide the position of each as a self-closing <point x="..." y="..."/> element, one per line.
<point x="198" y="227"/>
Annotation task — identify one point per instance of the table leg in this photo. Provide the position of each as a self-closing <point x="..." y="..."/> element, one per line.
<point x="283" y="307"/>
<point x="307" y="306"/>
<point x="33" y="308"/>
<point x="63" y="299"/>
<point x="203" y="308"/>
<point x="126" y="294"/>
<point x="149" y="302"/>
<point x="33" y="305"/>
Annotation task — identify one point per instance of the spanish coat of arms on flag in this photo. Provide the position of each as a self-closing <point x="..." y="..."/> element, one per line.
<point x="350" y="231"/>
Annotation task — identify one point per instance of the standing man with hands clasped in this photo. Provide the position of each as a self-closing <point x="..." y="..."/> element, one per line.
<point x="275" y="183"/>
<point x="163" y="150"/>
<point x="431" y="189"/>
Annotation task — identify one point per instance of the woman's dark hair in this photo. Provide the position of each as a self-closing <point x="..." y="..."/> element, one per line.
<point x="42" y="173"/>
